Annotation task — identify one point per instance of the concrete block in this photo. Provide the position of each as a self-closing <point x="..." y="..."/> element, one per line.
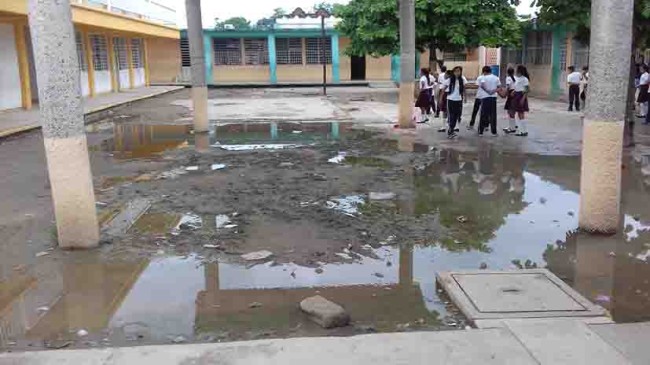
<point x="324" y="312"/>
<point x="630" y="339"/>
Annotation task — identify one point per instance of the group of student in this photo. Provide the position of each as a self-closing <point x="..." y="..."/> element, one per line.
<point x="446" y="92"/>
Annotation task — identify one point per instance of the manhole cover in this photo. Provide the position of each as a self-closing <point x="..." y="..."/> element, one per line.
<point x="515" y="294"/>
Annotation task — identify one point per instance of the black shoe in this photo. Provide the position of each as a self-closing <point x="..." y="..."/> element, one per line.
<point x="570" y="109"/>
<point x="520" y="134"/>
<point x="457" y="130"/>
<point x="452" y="136"/>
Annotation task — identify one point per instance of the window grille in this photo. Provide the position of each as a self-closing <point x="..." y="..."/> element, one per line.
<point x="563" y="55"/>
<point x="539" y="48"/>
<point x="511" y="56"/>
<point x="81" y="51"/>
<point x="137" y="54"/>
<point x="185" y="52"/>
<point x="119" y="47"/>
<point x="580" y="54"/>
<point x="455" y="56"/>
<point x="227" y="51"/>
<point x="288" y="51"/>
<point x="314" y="52"/>
<point x="256" y="51"/>
<point x="100" y="52"/>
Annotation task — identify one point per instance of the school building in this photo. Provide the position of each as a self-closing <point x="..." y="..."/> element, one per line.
<point x="121" y="44"/>
<point x="547" y="51"/>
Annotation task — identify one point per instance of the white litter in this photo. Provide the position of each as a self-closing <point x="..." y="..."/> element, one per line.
<point x="221" y="220"/>
<point x="343" y="255"/>
<point x="250" y="147"/>
<point x="43" y="309"/>
<point x="217" y="166"/>
<point x="388" y="241"/>
<point x="338" y="158"/>
<point x="258" y="255"/>
<point x="42" y="253"/>
<point x="297" y="132"/>
<point x="188" y="220"/>
<point x="172" y="174"/>
<point x="82" y="333"/>
<point x="211" y="246"/>
<point x="348" y="205"/>
<point x="192" y="168"/>
<point x="230" y="226"/>
<point x="382" y="196"/>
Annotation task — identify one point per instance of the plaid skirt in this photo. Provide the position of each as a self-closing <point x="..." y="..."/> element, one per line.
<point x="508" y="105"/>
<point x="520" y="103"/>
<point x="643" y="94"/>
<point x="424" y="100"/>
<point x="443" y="102"/>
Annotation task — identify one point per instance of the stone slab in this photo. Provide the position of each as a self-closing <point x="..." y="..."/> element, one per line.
<point x="497" y="346"/>
<point x="129" y="214"/>
<point x="630" y="339"/>
<point x="501" y="323"/>
<point x="515" y="294"/>
<point x="563" y="342"/>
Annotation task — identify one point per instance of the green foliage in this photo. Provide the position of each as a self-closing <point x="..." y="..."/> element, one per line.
<point x="448" y="25"/>
<point x="238" y="23"/>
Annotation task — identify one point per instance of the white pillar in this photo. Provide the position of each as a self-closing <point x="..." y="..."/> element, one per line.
<point x="197" y="57"/>
<point x="407" y="61"/>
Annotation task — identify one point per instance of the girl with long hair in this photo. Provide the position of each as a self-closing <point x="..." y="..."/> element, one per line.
<point x="510" y="94"/>
<point x="455" y="97"/>
<point x="424" y="98"/>
<point x="520" y="99"/>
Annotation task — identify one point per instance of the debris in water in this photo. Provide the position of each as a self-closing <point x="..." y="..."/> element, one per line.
<point x="57" y="345"/>
<point x="258" y="255"/>
<point x="297" y="132"/>
<point x="382" y="196"/>
<point x="217" y="166"/>
<point x="343" y="255"/>
<point x="338" y="158"/>
<point x="571" y="213"/>
<point x="461" y="219"/>
<point x="367" y="247"/>
<point x="286" y="164"/>
<point x="255" y="305"/>
<point x="42" y="309"/>
<point x="250" y="147"/>
<point x="379" y="275"/>
<point x="42" y="253"/>
<point x="211" y="246"/>
<point x="319" y="271"/>
<point x="483" y="266"/>
<point x="179" y="339"/>
<point x="82" y="333"/>
<point x="221" y="220"/>
<point x="388" y="241"/>
<point x="192" y="168"/>
<point x="542" y="200"/>
<point x="101" y="204"/>
<point x="230" y="226"/>
<point x="348" y="205"/>
<point x="324" y="312"/>
<point x="187" y="221"/>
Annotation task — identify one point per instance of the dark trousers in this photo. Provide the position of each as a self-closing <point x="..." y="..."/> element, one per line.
<point x="454" y="110"/>
<point x="574" y="97"/>
<point x="488" y="115"/>
<point x="477" y="107"/>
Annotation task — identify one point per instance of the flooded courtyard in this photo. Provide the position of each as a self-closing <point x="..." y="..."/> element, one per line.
<point x="218" y="237"/>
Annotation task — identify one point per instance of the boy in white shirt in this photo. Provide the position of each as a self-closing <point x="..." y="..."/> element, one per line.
<point x="480" y="94"/>
<point x="489" y="84"/>
<point x="573" y="80"/>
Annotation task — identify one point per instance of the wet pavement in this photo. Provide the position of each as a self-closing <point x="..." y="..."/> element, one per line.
<point x="367" y="230"/>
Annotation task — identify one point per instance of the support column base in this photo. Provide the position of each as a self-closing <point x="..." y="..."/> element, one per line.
<point x="200" y="102"/>
<point x="405" y="115"/>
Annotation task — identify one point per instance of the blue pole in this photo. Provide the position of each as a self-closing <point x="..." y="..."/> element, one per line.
<point x="207" y="49"/>
<point x="336" y="76"/>
<point x="273" y="63"/>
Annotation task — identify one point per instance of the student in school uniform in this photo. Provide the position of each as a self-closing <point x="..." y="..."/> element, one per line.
<point x="585" y="84"/>
<point x="455" y="96"/>
<point x="489" y="84"/>
<point x="510" y="107"/>
<point x="574" y="80"/>
<point x="480" y="94"/>
<point x="432" y="93"/>
<point x="520" y="100"/>
<point x="441" y="102"/>
<point x="424" y="98"/>
<point x="642" y="98"/>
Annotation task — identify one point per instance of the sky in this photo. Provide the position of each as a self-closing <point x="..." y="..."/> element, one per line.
<point x="257" y="9"/>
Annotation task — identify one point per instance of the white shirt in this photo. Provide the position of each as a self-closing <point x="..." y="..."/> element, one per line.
<point x="455" y="95"/>
<point x="510" y="83"/>
<point x="520" y="83"/>
<point x="424" y="83"/>
<point x="489" y="82"/>
<point x="574" y="78"/>
<point x="441" y="81"/>
<point x="644" y="79"/>
<point x="432" y="81"/>
<point x="480" y="93"/>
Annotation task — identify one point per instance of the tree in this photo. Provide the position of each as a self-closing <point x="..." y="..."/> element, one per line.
<point x="446" y="25"/>
<point x="237" y="23"/>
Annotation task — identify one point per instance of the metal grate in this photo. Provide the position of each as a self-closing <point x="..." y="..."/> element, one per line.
<point x="539" y="48"/>
<point x="256" y="51"/>
<point x="137" y="54"/>
<point x="455" y="56"/>
<point x="227" y="51"/>
<point x="563" y="55"/>
<point x="185" y="53"/>
<point x="314" y="50"/>
<point x="580" y="54"/>
<point x="81" y="51"/>
<point x="100" y="52"/>
<point x="288" y="51"/>
<point x="119" y="47"/>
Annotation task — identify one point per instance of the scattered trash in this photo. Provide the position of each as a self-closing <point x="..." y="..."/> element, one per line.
<point x="255" y="305"/>
<point x="319" y="271"/>
<point x="42" y="253"/>
<point x="187" y="221"/>
<point x="297" y="132"/>
<point x="338" y="158"/>
<point x="366" y="247"/>
<point x="571" y="213"/>
<point x="211" y="246"/>
<point x="467" y="328"/>
<point x="192" y="168"/>
<point x="483" y="266"/>
<point x="179" y="339"/>
<point x="348" y="205"/>
<point x="221" y="220"/>
<point x="257" y="256"/>
<point x="388" y="241"/>
<point x="101" y="204"/>
<point x="43" y="309"/>
<point x="612" y="254"/>
<point x="143" y="178"/>
<point x="344" y="256"/>
<point x="82" y="333"/>
<point x="57" y="345"/>
<point x="230" y="226"/>
<point x="171" y="174"/>
<point x="603" y="299"/>
<point x="461" y="219"/>
<point x="324" y="312"/>
<point x="379" y="275"/>
<point x="542" y="200"/>
<point x="250" y="147"/>
<point x="217" y="166"/>
<point x="637" y="218"/>
<point x="382" y="196"/>
<point x="286" y="164"/>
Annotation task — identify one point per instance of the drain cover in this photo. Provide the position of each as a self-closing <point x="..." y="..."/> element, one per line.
<point x="515" y="294"/>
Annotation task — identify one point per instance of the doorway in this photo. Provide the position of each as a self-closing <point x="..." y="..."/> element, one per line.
<point x="358" y="68"/>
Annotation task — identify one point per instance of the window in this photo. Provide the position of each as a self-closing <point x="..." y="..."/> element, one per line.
<point x="256" y="51"/>
<point x="100" y="52"/>
<point x="511" y="56"/>
<point x="288" y="51"/>
<point x="539" y="48"/>
<point x="314" y="50"/>
<point x="119" y="47"/>
<point x="227" y="51"/>
<point x="81" y="52"/>
<point x="185" y="53"/>
<point x="137" y="54"/>
<point x="580" y="54"/>
<point x="563" y="55"/>
<point x="455" y="56"/>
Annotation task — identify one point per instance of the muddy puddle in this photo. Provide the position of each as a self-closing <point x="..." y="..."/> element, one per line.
<point x="368" y="230"/>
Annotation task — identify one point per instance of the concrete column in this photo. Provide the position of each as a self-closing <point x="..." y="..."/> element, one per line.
<point x="197" y="57"/>
<point x="61" y="115"/>
<point x="600" y="183"/>
<point x="207" y="49"/>
<point x="273" y="63"/>
<point x="336" y="62"/>
<point x="394" y="68"/>
<point x="407" y="61"/>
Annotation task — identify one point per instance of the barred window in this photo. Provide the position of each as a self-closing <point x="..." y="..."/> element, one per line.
<point x="315" y="48"/>
<point x="511" y="56"/>
<point x="119" y="47"/>
<point x="563" y="55"/>
<point x="137" y="53"/>
<point x="256" y="51"/>
<point x="81" y="51"/>
<point x="580" y="54"/>
<point x="288" y="51"/>
<point x="185" y="53"/>
<point x="227" y="51"/>
<point x="539" y="48"/>
<point x="100" y="52"/>
<point x="455" y="56"/>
